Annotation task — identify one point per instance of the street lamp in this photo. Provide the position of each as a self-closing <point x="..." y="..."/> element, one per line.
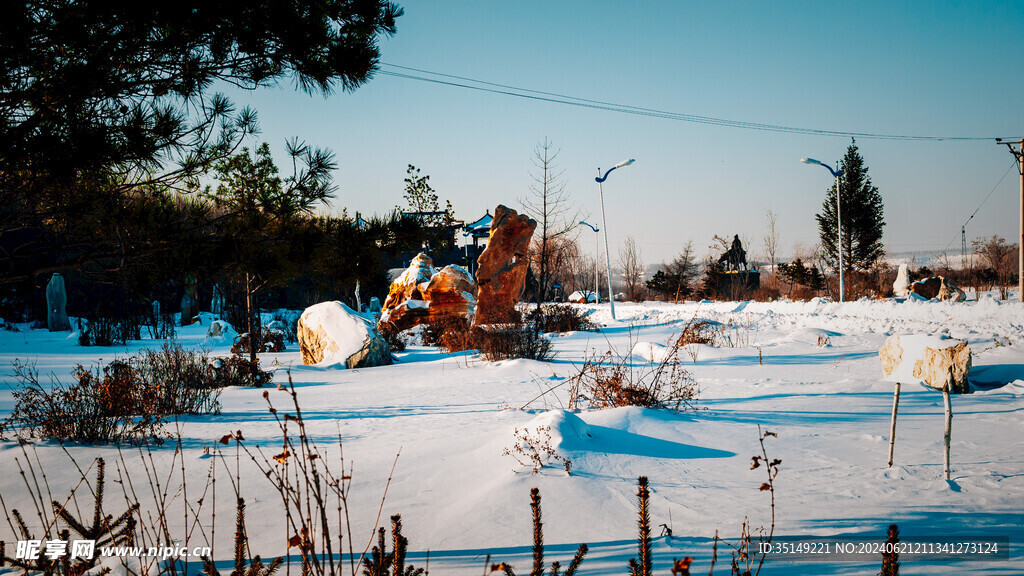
<point x="607" y="254"/>
<point x="839" y="220"/>
<point x="597" y="257"/>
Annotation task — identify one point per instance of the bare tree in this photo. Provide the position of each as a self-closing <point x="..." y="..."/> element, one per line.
<point x="998" y="256"/>
<point x="548" y="204"/>
<point x="632" y="270"/>
<point x="771" y="239"/>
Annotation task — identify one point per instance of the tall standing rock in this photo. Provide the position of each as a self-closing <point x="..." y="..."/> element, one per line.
<point x="56" y="305"/>
<point x="901" y="287"/>
<point x="501" y="268"/>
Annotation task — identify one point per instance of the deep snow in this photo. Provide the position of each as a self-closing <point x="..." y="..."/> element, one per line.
<point x="452" y="415"/>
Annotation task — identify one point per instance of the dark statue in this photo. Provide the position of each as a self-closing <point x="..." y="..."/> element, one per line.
<point x="735" y="256"/>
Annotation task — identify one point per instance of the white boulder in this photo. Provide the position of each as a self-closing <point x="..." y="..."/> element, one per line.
<point x="331" y="333"/>
<point x="901" y="287"/>
<point x="935" y="360"/>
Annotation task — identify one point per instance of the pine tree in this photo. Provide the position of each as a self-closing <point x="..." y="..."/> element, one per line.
<point x="102" y="103"/>
<point x="862" y="215"/>
<point x="260" y="217"/>
<point x="674" y="279"/>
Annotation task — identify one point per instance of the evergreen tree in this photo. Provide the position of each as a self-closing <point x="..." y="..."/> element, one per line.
<point x="104" y="102"/>
<point x="862" y="215"/>
<point x="674" y="279"/>
<point x="422" y="199"/>
<point x="262" y="219"/>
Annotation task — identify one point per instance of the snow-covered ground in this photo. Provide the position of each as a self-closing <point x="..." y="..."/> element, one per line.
<point x="452" y="415"/>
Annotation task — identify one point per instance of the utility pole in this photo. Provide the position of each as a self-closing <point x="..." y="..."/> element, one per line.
<point x="1017" y="149"/>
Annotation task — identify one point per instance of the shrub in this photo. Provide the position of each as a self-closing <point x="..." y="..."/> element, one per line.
<point x="161" y="326"/>
<point x="699" y="332"/>
<point x="109" y="331"/>
<point x="451" y="333"/>
<point x="393" y="337"/>
<point x="609" y="381"/>
<point x="96" y="409"/>
<point x="765" y="294"/>
<point x="237" y="370"/>
<point x="183" y="380"/>
<point x="129" y="399"/>
<point x="269" y="341"/>
<point x="505" y="342"/>
<point x="561" y="318"/>
<point x="534" y="449"/>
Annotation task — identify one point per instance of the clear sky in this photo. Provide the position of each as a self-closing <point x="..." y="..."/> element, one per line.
<point x="908" y="68"/>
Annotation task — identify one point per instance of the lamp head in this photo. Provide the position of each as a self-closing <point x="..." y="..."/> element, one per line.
<point x="810" y="161"/>
<point x="625" y="163"/>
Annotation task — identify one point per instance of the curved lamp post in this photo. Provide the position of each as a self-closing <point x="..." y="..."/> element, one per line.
<point x="597" y="257"/>
<point x="608" y="255"/>
<point x="839" y="221"/>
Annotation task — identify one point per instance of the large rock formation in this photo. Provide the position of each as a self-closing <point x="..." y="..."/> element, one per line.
<point x="937" y="287"/>
<point x="422" y="294"/>
<point x="332" y="333"/>
<point x="408" y="284"/>
<point x="901" y="287"/>
<point x="944" y="368"/>
<point x="927" y="288"/>
<point x="56" y="305"/>
<point x="935" y="360"/>
<point x="502" y="267"/>
<point x="949" y="291"/>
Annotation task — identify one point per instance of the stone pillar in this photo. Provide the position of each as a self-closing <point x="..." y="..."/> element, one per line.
<point x="56" y="305"/>
<point x="217" y="302"/>
<point x="188" y="309"/>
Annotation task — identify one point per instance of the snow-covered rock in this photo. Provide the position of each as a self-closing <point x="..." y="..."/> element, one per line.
<point x="927" y="288"/>
<point x="650" y="352"/>
<point x="220" y="329"/>
<point x="901" y="287"/>
<point x="949" y="291"/>
<point x="936" y="360"/>
<point x="586" y="297"/>
<point x="423" y="294"/>
<point x="332" y="333"/>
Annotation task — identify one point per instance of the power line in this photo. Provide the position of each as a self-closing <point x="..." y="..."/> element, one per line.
<point x="555" y="98"/>
<point x="973" y="214"/>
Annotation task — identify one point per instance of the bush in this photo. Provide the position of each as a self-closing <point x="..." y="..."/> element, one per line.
<point x="451" y="333"/>
<point x="393" y="337"/>
<point x="109" y="331"/>
<point x="238" y="370"/>
<point x="610" y="381"/>
<point x="96" y="409"/>
<point x="561" y="318"/>
<point x="699" y="332"/>
<point x="505" y="341"/>
<point x="129" y="399"/>
<point x="269" y="341"/>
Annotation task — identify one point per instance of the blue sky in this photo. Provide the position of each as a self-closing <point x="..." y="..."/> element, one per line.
<point x="913" y="68"/>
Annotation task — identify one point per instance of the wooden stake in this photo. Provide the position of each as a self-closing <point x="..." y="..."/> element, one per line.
<point x="949" y="429"/>
<point x="892" y="427"/>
